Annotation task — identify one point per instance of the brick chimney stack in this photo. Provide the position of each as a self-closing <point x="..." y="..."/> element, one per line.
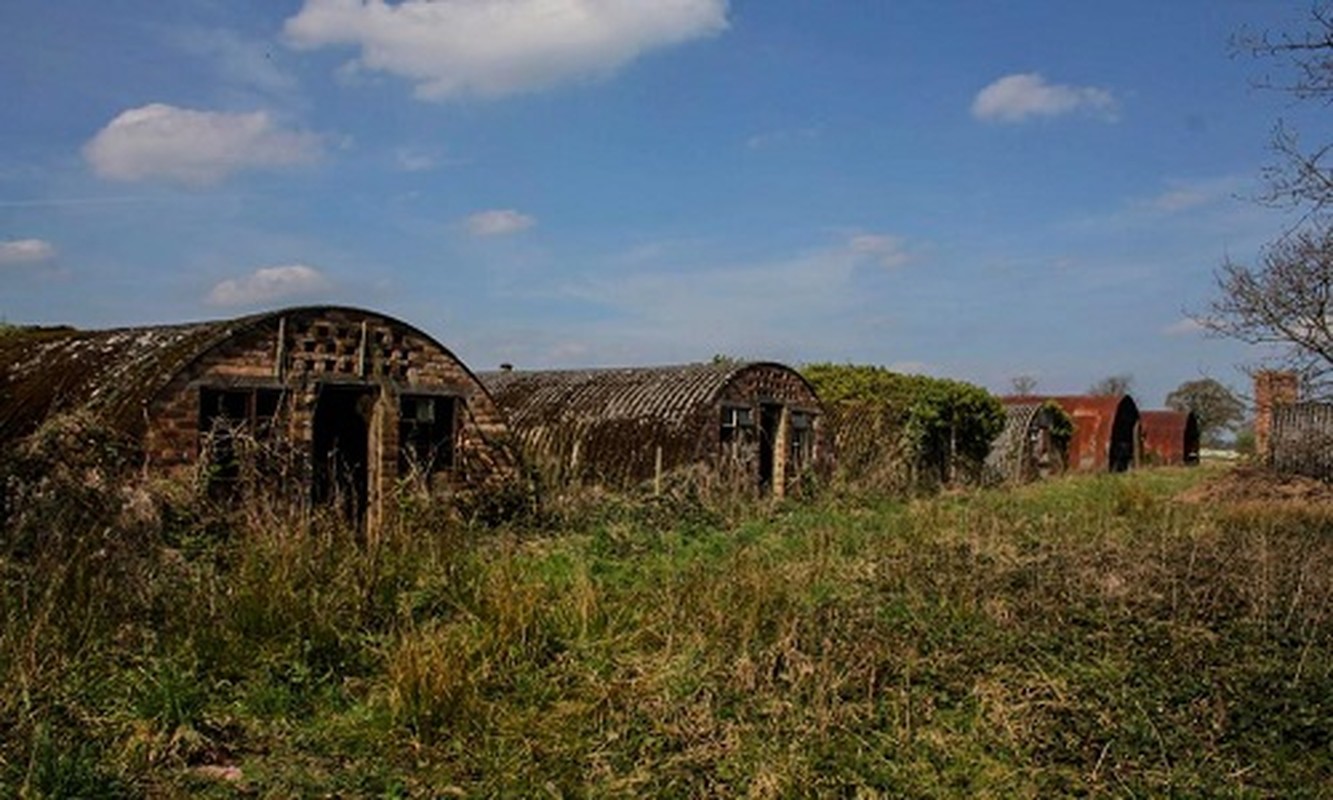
<point x="1272" y="388"/>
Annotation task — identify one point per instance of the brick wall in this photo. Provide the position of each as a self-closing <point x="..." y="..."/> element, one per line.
<point x="1272" y="388"/>
<point x="298" y="352"/>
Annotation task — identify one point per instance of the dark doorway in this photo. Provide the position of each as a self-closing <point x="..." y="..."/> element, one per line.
<point x="342" y="449"/>
<point x="770" y="418"/>
<point x="1124" y="436"/>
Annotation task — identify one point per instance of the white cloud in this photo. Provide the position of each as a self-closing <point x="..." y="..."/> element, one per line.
<point x="268" y="284"/>
<point x="450" y="48"/>
<point x="410" y="160"/>
<point x="1184" y="327"/>
<point x="240" y="61"/>
<point x="759" y="308"/>
<point x="1015" y="98"/>
<point x="498" y="222"/>
<point x="1187" y="195"/>
<point x="25" y="251"/>
<point x="195" y="148"/>
<point x="888" y="251"/>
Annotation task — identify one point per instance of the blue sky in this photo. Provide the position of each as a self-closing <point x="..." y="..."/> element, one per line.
<point x="976" y="190"/>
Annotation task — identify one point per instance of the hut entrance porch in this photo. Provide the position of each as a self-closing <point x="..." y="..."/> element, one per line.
<point x="341" y="448"/>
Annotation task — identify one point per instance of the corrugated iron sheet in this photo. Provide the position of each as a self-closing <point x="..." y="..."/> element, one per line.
<point x="1024" y="450"/>
<point x="1106" y="430"/>
<point x="115" y="373"/>
<point x="112" y="373"/>
<point x="1301" y="440"/>
<point x="1170" y="438"/>
<point x="612" y="422"/>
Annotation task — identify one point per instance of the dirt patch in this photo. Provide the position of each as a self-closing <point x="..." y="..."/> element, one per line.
<point x="1258" y="485"/>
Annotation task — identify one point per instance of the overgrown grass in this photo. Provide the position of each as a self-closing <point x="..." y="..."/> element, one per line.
<point x="1085" y="636"/>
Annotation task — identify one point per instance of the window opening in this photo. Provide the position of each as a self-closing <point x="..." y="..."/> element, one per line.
<point x="426" y="425"/>
<point x="232" y="420"/>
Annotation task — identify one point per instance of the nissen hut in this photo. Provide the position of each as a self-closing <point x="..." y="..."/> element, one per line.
<point x="363" y="402"/>
<point x="1033" y="444"/>
<point x="1106" y="430"/>
<point x="1170" y="438"/>
<point x="758" y="423"/>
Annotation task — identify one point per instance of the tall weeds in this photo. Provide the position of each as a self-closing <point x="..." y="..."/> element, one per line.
<point x="1088" y="636"/>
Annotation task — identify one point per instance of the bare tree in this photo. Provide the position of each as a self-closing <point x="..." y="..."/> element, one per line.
<point x="1112" y="384"/>
<point x="1301" y="177"/>
<point x="1284" y="302"/>
<point x="1023" y="384"/>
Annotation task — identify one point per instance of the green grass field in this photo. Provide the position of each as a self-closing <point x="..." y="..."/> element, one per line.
<point x="1086" y="636"/>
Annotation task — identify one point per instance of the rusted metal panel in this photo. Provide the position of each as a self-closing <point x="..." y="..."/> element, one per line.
<point x="618" y="425"/>
<point x="1170" y="438"/>
<point x="1301" y="439"/>
<point x="1106" y="430"/>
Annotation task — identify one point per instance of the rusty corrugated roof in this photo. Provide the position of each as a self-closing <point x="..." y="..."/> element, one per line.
<point x="1171" y="437"/>
<point x="1097" y="445"/>
<point x="115" y="373"/>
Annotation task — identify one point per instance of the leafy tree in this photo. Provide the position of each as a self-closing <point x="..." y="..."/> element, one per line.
<point x="1112" y="384"/>
<point x="1216" y="408"/>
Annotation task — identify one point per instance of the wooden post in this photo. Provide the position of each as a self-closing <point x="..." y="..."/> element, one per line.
<point x="657" y="473"/>
<point x="781" y="450"/>
<point x="280" y="353"/>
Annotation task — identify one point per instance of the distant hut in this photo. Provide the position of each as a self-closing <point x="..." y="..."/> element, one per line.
<point x="756" y="422"/>
<point x="1170" y="438"/>
<point x="362" y="400"/>
<point x="1106" y="430"/>
<point x="1034" y="443"/>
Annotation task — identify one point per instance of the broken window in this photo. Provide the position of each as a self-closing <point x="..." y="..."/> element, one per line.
<point x="426" y="426"/>
<point x="736" y="420"/>
<point x="802" y="438"/>
<point x="231" y="421"/>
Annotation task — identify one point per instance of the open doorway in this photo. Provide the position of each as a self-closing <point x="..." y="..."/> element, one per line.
<point x="341" y="449"/>
<point x="770" y="418"/>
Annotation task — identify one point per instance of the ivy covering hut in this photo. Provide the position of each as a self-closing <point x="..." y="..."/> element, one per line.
<point x="905" y="431"/>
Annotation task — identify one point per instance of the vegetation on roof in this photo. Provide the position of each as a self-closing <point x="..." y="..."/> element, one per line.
<point x="946" y="426"/>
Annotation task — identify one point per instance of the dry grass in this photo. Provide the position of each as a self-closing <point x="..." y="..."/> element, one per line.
<point x="1087" y="636"/>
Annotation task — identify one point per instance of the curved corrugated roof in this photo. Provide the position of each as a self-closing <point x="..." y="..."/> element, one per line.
<point x="1171" y="436"/>
<point x="1095" y="446"/>
<point x="1005" y="460"/>
<point x="115" y="373"/>
<point x="669" y="394"/>
<point x="615" y="422"/>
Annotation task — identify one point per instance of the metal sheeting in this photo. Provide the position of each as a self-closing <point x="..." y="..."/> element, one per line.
<point x="114" y="374"/>
<point x="1008" y="453"/>
<point x="1170" y="438"/>
<point x="613" y="423"/>
<point x="1027" y="448"/>
<point x="1106" y="430"/>
<point x="1301" y="441"/>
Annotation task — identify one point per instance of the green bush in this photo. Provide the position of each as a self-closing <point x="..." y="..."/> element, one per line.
<point x="910" y="430"/>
